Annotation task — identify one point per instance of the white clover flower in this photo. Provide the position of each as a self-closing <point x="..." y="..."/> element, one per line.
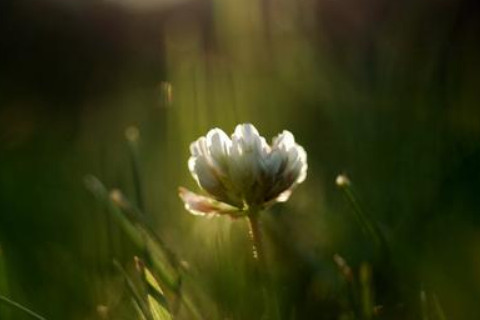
<point x="243" y="173"/>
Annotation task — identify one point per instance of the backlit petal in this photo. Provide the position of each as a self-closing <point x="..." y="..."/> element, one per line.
<point x="205" y="206"/>
<point x="218" y="143"/>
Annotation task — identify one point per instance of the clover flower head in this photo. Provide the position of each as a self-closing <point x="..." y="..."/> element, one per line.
<point x="243" y="171"/>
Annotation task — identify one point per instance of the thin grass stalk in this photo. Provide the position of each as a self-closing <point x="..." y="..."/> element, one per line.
<point x="96" y="187"/>
<point x="424" y="305"/>
<point x="149" y="287"/>
<point x="18" y="306"/>
<point x="139" y="299"/>
<point x="144" y="236"/>
<point x="4" y="285"/>
<point x="132" y="134"/>
<point x="138" y="217"/>
<point x="368" y="225"/>
<point x="367" y="298"/>
<point x="438" y="308"/>
<point x="150" y="238"/>
<point x="351" y="285"/>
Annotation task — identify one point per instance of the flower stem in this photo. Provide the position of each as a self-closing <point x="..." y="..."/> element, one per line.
<point x="272" y="309"/>
<point x="256" y="235"/>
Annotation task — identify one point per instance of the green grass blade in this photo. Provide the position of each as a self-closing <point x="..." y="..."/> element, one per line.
<point x="18" y="306"/>
<point x="367" y="298"/>
<point x="139" y="299"/>
<point x="138" y="218"/>
<point x="438" y="308"/>
<point x="132" y="135"/>
<point x="95" y="186"/>
<point x="424" y="305"/>
<point x="367" y="224"/>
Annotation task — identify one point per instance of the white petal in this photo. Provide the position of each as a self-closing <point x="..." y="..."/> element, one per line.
<point x="191" y="166"/>
<point x="205" y="175"/>
<point x="293" y="155"/>
<point x="219" y="147"/>
<point x="303" y="175"/>
<point x="242" y="167"/>
<point x="205" y="206"/>
<point x="298" y="163"/>
<point x="246" y="155"/>
<point x="249" y="140"/>
<point x="302" y="154"/>
<point x="246" y="132"/>
<point x="273" y="162"/>
<point x="304" y="166"/>
<point x="199" y="147"/>
<point x="284" y="141"/>
<point x="293" y="170"/>
<point x="284" y="196"/>
<point x="264" y="148"/>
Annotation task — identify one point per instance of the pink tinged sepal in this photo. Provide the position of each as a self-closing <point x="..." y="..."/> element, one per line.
<point x="204" y="206"/>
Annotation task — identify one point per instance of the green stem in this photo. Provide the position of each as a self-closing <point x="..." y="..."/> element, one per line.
<point x="367" y="224"/>
<point x="270" y="296"/>
<point x="133" y="136"/>
<point x="20" y="307"/>
<point x="256" y="236"/>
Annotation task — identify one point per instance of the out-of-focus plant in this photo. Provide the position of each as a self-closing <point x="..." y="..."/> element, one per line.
<point x="156" y="284"/>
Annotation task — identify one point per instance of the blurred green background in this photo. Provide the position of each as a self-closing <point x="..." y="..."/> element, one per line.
<point x="384" y="91"/>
